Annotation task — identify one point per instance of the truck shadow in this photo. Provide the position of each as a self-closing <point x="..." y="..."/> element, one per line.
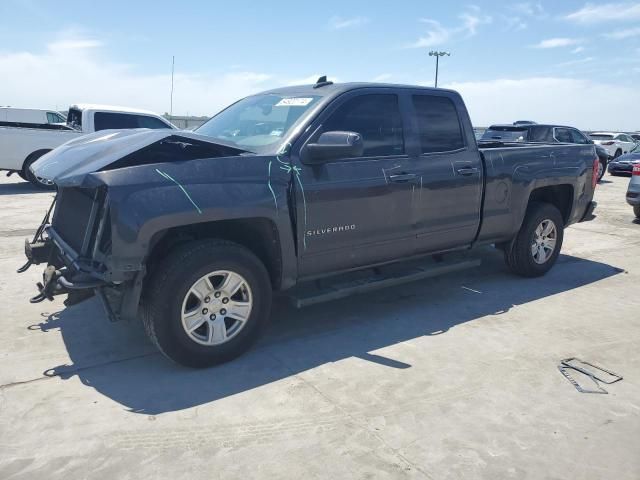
<point x="118" y="361"/>
<point x="20" y="188"/>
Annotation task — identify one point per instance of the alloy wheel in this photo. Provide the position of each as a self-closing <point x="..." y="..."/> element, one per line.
<point x="216" y="307"/>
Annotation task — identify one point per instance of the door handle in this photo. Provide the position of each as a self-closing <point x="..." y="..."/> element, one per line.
<point x="402" y="177"/>
<point x="467" y="171"/>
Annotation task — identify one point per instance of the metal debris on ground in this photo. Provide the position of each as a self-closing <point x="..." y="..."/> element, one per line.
<point x="591" y="371"/>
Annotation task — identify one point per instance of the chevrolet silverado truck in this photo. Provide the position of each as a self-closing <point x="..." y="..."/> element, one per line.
<point x="193" y="232"/>
<point x="22" y="143"/>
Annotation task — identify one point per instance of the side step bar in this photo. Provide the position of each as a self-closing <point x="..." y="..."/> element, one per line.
<point x="345" y="285"/>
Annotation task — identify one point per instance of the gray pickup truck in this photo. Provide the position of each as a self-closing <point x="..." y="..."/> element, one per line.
<point x="193" y="232"/>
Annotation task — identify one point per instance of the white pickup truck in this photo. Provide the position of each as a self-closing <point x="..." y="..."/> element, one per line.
<point x="20" y="146"/>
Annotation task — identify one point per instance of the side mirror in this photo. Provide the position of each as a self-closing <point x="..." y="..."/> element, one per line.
<point x="333" y="146"/>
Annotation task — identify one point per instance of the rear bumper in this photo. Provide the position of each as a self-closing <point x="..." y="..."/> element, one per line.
<point x="588" y="214"/>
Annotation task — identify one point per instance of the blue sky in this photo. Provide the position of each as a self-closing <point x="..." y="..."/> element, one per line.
<point x="567" y="62"/>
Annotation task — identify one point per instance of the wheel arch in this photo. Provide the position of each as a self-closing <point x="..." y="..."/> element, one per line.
<point x="257" y="234"/>
<point x="560" y="196"/>
<point x="36" y="154"/>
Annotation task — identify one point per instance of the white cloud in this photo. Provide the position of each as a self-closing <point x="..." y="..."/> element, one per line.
<point x="605" y="12"/>
<point x="338" y="23"/>
<point x="558" y="42"/>
<point x="622" y="34"/>
<point x="71" y="44"/>
<point x="577" y="50"/>
<point x="437" y="34"/>
<point x="579" y="61"/>
<point x="581" y="103"/>
<point x="74" y="71"/>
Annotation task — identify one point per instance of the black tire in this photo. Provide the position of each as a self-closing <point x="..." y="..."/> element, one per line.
<point x="617" y="154"/>
<point x="519" y="257"/>
<point x="604" y="169"/>
<point x="636" y="211"/>
<point x="30" y="177"/>
<point x="22" y="175"/>
<point x="170" y="282"/>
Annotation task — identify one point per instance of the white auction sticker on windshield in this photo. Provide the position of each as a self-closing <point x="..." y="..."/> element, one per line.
<point x="294" y="102"/>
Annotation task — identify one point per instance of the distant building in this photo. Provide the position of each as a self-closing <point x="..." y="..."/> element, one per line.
<point x="185" y="122"/>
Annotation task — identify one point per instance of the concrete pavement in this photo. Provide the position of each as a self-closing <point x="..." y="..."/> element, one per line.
<point x="447" y="378"/>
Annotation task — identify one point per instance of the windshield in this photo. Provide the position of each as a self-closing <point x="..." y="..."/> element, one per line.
<point x="258" y="123"/>
<point x="597" y="136"/>
<point x="506" y="135"/>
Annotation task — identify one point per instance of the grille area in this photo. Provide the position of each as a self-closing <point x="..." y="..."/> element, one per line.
<point x="73" y="215"/>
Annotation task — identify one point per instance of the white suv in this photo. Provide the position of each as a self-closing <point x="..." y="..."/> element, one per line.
<point x="614" y="143"/>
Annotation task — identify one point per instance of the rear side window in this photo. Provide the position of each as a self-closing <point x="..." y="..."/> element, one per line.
<point x="438" y="124"/>
<point x="120" y="121"/>
<point x="376" y="118"/>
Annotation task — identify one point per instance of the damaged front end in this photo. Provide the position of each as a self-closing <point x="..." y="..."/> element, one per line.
<point x="74" y="241"/>
<point x="111" y="197"/>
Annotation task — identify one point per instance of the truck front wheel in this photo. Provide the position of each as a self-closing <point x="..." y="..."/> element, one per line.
<point x="206" y="302"/>
<point x="537" y="245"/>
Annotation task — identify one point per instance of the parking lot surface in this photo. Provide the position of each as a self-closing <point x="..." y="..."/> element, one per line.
<point x="453" y="377"/>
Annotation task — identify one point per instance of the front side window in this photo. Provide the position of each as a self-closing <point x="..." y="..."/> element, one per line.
<point x="438" y="124"/>
<point x="55" y="118"/>
<point x="376" y="117"/>
<point x="258" y="123"/>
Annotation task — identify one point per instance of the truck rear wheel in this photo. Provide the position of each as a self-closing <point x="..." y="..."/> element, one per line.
<point x="206" y="302"/>
<point x="636" y="211"/>
<point x="537" y="245"/>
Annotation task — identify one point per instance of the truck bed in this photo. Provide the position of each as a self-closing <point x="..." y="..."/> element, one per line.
<point x="514" y="170"/>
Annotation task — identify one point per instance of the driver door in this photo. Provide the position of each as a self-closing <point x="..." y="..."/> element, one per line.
<point x="354" y="212"/>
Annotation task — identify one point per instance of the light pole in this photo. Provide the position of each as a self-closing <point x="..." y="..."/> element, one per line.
<point x="434" y="53"/>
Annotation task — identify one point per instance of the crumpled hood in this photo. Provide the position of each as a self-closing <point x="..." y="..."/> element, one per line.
<point x="94" y="151"/>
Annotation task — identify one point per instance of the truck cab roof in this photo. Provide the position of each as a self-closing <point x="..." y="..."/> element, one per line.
<point x="110" y="108"/>
<point x="335" y="89"/>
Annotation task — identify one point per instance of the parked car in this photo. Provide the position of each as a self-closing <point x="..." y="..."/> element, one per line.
<point x="23" y="146"/>
<point x="633" y="192"/>
<point x="615" y="144"/>
<point x="531" y="132"/>
<point x="192" y="232"/>
<point x="10" y="116"/>
<point x="624" y="163"/>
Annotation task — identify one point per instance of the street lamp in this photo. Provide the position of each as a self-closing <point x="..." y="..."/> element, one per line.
<point x="436" y="54"/>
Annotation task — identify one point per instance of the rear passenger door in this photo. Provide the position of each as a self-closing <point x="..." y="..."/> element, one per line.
<point x="448" y="195"/>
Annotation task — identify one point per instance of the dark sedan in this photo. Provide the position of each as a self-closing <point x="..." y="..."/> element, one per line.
<point x="624" y="163"/>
